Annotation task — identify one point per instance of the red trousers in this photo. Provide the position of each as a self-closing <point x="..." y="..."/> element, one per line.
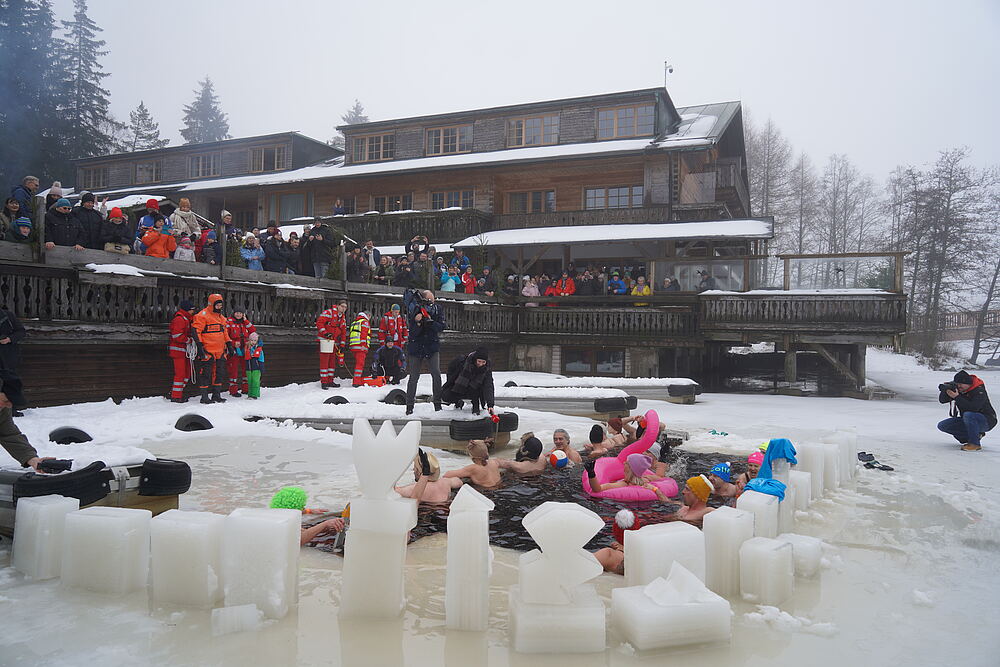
<point x="359" y="365"/>
<point x="237" y="368"/>
<point x="327" y="366"/>
<point x="181" y="368"/>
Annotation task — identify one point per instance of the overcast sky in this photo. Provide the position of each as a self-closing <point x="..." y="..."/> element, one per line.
<point x="886" y="82"/>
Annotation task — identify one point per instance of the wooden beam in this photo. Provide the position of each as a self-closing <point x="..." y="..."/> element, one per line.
<point x="836" y="363"/>
<point x="538" y="256"/>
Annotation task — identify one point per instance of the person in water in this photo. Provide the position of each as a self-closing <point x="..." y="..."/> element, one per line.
<point x="334" y="525"/>
<point x="636" y="465"/>
<point x="560" y="441"/>
<point x="483" y="471"/>
<point x="721" y="478"/>
<point x="695" y="494"/>
<point x="753" y="467"/>
<point x="599" y="445"/>
<point x="528" y="458"/>
<point x="428" y="486"/>
<point x="621" y="432"/>
<point x="613" y="558"/>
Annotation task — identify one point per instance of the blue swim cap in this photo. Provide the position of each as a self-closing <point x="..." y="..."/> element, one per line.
<point x="721" y="470"/>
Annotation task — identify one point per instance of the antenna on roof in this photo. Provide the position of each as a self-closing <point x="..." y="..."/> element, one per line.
<point x="667" y="69"/>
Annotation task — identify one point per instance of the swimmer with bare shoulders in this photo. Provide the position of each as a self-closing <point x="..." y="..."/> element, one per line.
<point x="753" y="467"/>
<point x="560" y="441"/>
<point x="599" y="445"/>
<point x="695" y="494"/>
<point x="483" y="471"/>
<point x="636" y="465"/>
<point x="429" y="487"/>
<point x="721" y="478"/>
<point x="528" y="459"/>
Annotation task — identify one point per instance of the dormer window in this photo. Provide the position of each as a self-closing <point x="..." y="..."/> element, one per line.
<point x="373" y="148"/>
<point x="445" y="140"/>
<point x="630" y="121"/>
<point x="269" y="158"/>
<point x="533" y="131"/>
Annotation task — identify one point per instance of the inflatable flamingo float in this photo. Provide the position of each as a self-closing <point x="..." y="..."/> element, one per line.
<point x="612" y="469"/>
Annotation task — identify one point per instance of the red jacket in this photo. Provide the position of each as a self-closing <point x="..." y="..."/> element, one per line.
<point x="392" y="327"/>
<point x="551" y="291"/>
<point x="565" y="287"/>
<point x="330" y="325"/>
<point x="469" y="282"/>
<point x="239" y="331"/>
<point x="180" y="334"/>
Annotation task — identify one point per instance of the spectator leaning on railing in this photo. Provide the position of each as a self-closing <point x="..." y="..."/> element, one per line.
<point x="61" y="228"/>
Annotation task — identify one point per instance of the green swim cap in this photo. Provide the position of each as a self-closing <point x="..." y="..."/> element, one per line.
<point x="289" y="497"/>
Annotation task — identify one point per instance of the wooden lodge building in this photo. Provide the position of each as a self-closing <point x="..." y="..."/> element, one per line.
<point x="623" y="180"/>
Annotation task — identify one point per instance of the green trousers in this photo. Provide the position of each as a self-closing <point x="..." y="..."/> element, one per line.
<point x="253" y="381"/>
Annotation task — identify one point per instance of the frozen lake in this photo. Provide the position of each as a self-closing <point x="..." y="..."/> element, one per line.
<point x="909" y="574"/>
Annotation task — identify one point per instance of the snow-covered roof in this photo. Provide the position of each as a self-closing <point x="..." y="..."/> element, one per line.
<point x="700" y="126"/>
<point x="604" y="234"/>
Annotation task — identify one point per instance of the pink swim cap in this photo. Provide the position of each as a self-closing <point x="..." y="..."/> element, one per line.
<point x="638" y="464"/>
<point x="756" y="458"/>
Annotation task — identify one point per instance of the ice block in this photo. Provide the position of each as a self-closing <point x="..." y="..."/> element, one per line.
<point x="767" y="571"/>
<point x="847" y="444"/>
<point x="260" y="559"/>
<point x="725" y="531"/>
<point x="780" y="469"/>
<point x="244" y="618"/>
<point x="576" y="627"/>
<point x="106" y="549"/>
<point x="811" y="460"/>
<point x="765" y="511"/>
<point x="786" y="511"/>
<point x="375" y="549"/>
<point x="831" y="465"/>
<point x="653" y="549"/>
<point x="38" y="535"/>
<point x="675" y="611"/>
<point x="807" y="553"/>
<point x="801" y="481"/>
<point x="467" y="583"/>
<point x="186" y="563"/>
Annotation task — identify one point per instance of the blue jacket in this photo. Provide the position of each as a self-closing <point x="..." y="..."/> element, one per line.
<point x="616" y="286"/>
<point x="25" y="199"/>
<point x="253" y="257"/>
<point x="461" y="264"/>
<point x="425" y="335"/>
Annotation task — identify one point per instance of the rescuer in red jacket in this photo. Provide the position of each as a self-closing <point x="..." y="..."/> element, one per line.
<point x="239" y="329"/>
<point x="331" y="332"/>
<point x="392" y="327"/>
<point x="213" y="347"/>
<point x="180" y="334"/>
<point x="359" y="338"/>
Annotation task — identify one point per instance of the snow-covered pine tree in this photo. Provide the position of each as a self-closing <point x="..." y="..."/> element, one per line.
<point x="356" y="114"/>
<point x="143" y="133"/>
<point x="204" y="120"/>
<point x="85" y="103"/>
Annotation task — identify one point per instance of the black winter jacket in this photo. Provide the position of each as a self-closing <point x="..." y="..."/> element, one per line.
<point x="63" y="229"/>
<point x="425" y="335"/>
<point x="90" y="221"/>
<point x="320" y="251"/>
<point x="116" y="233"/>
<point x="11" y="328"/>
<point x="974" y="400"/>
<point x="276" y="255"/>
<point x="478" y="382"/>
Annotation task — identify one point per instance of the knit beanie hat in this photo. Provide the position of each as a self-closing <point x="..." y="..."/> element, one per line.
<point x="23" y="222"/>
<point x="721" y="470"/>
<point x="87" y="196"/>
<point x="62" y="201"/>
<point x="56" y="189"/>
<point x="596" y="434"/>
<point x="153" y="204"/>
<point x="225" y="213"/>
<point x="211" y="235"/>
<point x="115" y="213"/>
<point x="963" y="378"/>
<point x="185" y="304"/>
<point x="638" y="464"/>
<point x="481" y="353"/>
<point x="700" y="487"/>
<point x="624" y="520"/>
<point x="530" y="450"/>
<point x="756" y="458"/>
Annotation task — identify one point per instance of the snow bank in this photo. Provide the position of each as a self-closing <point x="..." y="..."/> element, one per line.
<point x="782" y="621"/>
<point x="549" y="380"/>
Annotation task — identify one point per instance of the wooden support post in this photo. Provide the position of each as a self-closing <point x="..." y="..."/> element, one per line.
<point x="787" y="281"/>
<point x="343" y="263"/>
<point x="836" y="363"/>
<point x="791" y="364"/>
<point x="858" y="363"/>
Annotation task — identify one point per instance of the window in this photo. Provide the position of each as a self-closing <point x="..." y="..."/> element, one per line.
<point x="442" y="140"/>
<point x="385" y="203"/>
<point x="533" y="131"/>
<point x="613" y="197"/>
<point x="540" y="201"/>
<point x="148" y="172"/>
<point x="593" y="360"/>
<point x="373" y="148"/>
<point x="285" y="207"/>
<point x="626" y="121"/>
<point x="349" y="205"/>
<point x="201" y="166"/>
<point x="453" y="199"/>
<point x="95" y="177"/>
<point x="268" y="159"/>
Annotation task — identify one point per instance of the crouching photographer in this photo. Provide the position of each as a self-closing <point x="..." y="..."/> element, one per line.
<point x="972" y="415"/>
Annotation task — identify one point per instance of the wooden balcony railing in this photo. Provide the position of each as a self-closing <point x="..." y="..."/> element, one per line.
<point x="611" y="216"/>
<point x="399" y="228"/>
<point x="783" y="312"/>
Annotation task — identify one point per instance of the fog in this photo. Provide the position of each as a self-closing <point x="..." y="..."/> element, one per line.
<point x="886" y="83"/>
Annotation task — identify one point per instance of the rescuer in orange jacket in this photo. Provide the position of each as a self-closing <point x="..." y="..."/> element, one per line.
<point x="359" y="339"/>
<point x="239" y="329"/>
<point x="213" y="347"/>
<point x="180" y="334"/>
<point x="331" y="332"/>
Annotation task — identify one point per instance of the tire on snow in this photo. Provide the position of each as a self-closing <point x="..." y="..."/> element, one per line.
<point x="395" y="397"/>
<point x="471" y="429"/>
<point x="508" y="422"/>
<point x="336" y="400"/>
<point x="510" y="383"/>
<point x="69" y="435"/>
<point x="192" y="422"/>
<point x="617" y="404"/>
<point x="631" y="402"/>
<point x="164" y="477"/>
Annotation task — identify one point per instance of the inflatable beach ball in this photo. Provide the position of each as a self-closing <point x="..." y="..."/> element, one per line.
<point x="558" y="459"/>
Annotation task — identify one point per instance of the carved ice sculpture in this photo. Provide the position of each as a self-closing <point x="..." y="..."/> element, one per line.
<point x="375" y="550"/>
<point x="467" y="584"/>
<point x="552" y="609"/>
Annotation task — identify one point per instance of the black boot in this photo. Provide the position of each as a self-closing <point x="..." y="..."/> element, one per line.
<point x="459" y="405"/>
<point x="409" y="409"/>
<point x="334" y="385"/>
<point x="178" y="400"/>
<point x="204" y="396"/>
<point x="437" y="406"/>
<point x="217" y="395"/>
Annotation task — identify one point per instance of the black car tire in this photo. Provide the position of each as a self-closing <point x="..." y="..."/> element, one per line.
<point x="616" y="404"/>
<point x="471" y="429"/>
<point x="395" y="397"/>
<point x="679" y="390"/>
<point x="164" y="477"/>
<point x="508" y="422"/>
<point x="88" y="484"/>
<point x="68" y="435"/>
<point x="192" y="422"/>
<point x="336" y="400"/>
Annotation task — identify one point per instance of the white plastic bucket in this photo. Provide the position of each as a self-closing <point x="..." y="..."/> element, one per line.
<point x="326" y="346"/>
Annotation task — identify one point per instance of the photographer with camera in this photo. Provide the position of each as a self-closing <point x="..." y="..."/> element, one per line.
<point x="972" y="415"/>
<point x="426" y="322"/>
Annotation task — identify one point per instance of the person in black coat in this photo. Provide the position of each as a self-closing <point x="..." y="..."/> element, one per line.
<point x="90" y="221"/>
<point x="426" y="322"/>
<point x="11" y="334"/>
<point x="276" y="254"/>
<point x="972" y="414"/>
<point x="470" y="376"/>
<point x="116" y="230"/>
<point x="320" y="241"/>
<point x="61" y="228"/>
<point x="389" y="362"/>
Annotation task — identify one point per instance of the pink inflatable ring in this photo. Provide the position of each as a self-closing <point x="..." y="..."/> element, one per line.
<point x="611" y="469"/>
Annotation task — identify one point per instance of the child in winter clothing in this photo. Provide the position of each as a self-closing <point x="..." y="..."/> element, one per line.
<point x="254" y="354"/>
<point x="210" y="251"/>
<point x="185" y="251"/>
<point x="22" y="232"/>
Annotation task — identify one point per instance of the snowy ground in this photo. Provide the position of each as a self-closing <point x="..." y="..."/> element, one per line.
<point x="909" y="575"/>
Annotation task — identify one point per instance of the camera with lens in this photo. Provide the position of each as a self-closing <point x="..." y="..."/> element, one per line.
<point x="947" y="386"/>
